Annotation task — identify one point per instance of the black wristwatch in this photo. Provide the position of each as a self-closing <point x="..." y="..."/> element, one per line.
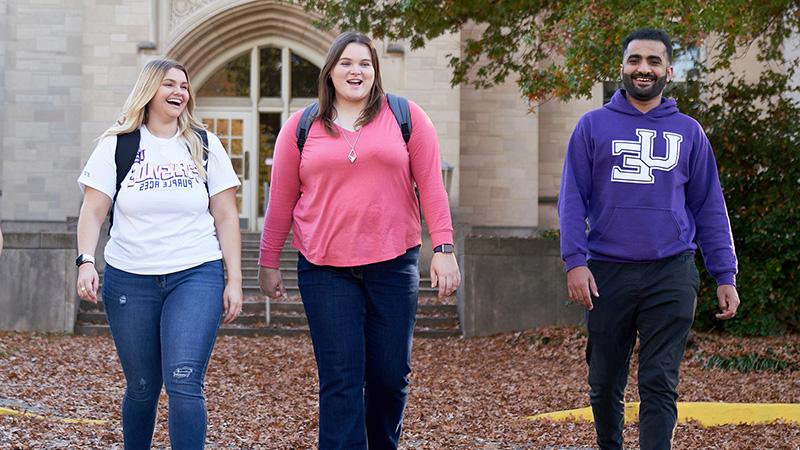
<point x="84" y="258"/>
<point x="445" y="248"/>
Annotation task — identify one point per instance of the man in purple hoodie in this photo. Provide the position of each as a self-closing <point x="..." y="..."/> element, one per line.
<point x="644" y="176"/>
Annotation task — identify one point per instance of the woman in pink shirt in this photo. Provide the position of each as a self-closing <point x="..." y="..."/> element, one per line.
<point x="350" y="194"/>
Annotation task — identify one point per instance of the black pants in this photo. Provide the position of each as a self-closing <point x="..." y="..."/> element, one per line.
<point x="656" y="300"/>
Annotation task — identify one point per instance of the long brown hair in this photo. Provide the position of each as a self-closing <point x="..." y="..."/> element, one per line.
<point x="327" y="93"/>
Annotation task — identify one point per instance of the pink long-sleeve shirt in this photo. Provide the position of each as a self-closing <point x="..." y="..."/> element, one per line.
<point x="351" y="214"/>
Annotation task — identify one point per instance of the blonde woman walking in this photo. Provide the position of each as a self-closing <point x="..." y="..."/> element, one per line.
<point x="174" y="221"/>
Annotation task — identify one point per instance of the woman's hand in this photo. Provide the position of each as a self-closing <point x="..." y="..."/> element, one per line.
<point x="232" y="301"/>
<point x="271" y="282"/>
<point x="88" y="282"/>
<point x="445" y="274"/>
<point x="222" y="207"/>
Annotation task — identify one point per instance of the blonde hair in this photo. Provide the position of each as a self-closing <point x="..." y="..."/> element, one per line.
<point x="134" y="112"/>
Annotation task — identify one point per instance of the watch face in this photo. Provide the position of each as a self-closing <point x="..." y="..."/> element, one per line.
<point x="83" y="258"/>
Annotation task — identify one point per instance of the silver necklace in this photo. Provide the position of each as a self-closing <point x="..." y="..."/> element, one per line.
<point x="351" y="155"/>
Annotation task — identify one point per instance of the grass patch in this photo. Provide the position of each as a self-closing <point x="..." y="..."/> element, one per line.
<point x="750" y="362"/>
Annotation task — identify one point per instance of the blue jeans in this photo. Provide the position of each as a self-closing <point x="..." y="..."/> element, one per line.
<point x="164" y="324"/>
<point x="362" y="321"/>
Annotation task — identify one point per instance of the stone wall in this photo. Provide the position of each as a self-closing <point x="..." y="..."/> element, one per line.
<point x="499" y="156"/>
<point x="3" y="39"/>
<point x="42" y="108"/>
<point x="37" y="282"/>
<point x="111" y="63"/>
<point x="423" y="76"/>
<point x="513" y="284"/>
<point x="556" y="122"/>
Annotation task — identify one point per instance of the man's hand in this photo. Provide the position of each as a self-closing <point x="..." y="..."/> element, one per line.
<point x="581" y="286"/>
<point x="728" y="301"/>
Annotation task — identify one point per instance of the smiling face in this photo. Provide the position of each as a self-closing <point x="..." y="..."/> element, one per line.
<point x="645" y="69"/>
<point x="172" y="96"/>
<point x="354" y="74"/>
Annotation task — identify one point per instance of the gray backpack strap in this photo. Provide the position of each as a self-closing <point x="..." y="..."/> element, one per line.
<point x="306" y="119"/>
<point x="399" y="107"/>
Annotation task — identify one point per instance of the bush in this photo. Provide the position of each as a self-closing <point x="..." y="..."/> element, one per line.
<point x="754" y="131"/>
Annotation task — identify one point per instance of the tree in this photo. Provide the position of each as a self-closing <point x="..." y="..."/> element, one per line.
<point x="561" y="49"/>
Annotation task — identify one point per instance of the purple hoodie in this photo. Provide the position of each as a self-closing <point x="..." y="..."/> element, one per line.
<point x="649" y="186"/>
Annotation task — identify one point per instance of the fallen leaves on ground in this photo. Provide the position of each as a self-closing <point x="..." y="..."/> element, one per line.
<point x="466" y="393"/>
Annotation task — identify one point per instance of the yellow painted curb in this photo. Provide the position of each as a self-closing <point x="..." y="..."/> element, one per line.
<point x="708" y="414"/>
<point x="13" y="412"/>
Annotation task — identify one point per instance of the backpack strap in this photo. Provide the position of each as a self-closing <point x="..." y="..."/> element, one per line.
<point x="124" y="156"/>
<point x="204" y="137"/>
<point x="306" y="119"/>
<point x="399" y="107"/>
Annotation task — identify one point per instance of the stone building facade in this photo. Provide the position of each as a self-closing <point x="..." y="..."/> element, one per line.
<point x="66" y="67"/>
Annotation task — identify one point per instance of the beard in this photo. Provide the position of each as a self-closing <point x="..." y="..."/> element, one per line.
<point x="644" y="94"/>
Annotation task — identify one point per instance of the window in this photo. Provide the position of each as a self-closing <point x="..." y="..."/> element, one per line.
<point x="231" y="80"/>
<point x="284" y="82"/>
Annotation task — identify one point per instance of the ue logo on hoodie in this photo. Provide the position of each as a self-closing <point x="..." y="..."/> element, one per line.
<point x="638" y="161"/>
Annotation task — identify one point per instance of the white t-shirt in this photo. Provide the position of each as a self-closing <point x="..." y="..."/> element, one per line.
<point x="161" y="219"/>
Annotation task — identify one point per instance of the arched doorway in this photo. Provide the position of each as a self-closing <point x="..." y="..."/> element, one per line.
<point x="252" y="65"/>
<point x="246" y="100"/>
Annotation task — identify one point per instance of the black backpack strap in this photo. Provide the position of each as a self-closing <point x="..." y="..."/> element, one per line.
<point x="204" y="137"/>
<point x="399" y="107"/>
<point x="306" y="119"/>
<point x="124" y="156"/>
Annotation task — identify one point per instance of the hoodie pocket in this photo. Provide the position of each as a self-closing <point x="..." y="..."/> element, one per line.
<point x="640" y="233"/>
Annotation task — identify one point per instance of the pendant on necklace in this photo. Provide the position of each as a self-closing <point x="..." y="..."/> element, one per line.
<point x="352" y="155"/>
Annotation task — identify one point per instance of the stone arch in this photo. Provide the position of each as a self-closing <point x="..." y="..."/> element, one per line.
<point x="211" y="38"/>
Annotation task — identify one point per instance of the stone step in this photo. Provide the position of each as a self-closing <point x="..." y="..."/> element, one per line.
<point x="250" y="286"/>
<point x="258" y="307"/>
<point x="250" y="289"/>
<point x="228" y="330"/>
<point x="434" y="323"/>
<point x="225" y="330"/>
<point x="286" y="317"/>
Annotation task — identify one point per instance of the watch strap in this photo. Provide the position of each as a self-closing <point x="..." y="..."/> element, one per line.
<point x="84" y="258"/>
<point x="444" y="248"/>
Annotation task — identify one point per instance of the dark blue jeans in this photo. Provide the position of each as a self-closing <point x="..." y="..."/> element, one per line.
<point x="655" y="301"/>
<point x="164" y="327"/>
<point x="362" y="322"/>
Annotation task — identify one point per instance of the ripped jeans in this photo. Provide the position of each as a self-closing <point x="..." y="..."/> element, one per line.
<point x="164" y="327"/>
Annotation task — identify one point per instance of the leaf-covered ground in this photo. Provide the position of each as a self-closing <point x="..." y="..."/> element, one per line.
<point x="466" y="393"/>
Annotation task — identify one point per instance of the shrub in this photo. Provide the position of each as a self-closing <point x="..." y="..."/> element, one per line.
<point x="755" y="133"/>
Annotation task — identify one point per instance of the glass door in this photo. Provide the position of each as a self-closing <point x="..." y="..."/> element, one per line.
<point x="233" y="130"/>
<point x="245" y="100"/>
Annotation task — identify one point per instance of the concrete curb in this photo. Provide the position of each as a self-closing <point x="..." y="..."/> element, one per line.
<point x="13" y="412"/>
<point x="707" y="414"/>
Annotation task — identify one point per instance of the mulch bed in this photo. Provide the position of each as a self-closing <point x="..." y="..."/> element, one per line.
<point x="466" y="393"/>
